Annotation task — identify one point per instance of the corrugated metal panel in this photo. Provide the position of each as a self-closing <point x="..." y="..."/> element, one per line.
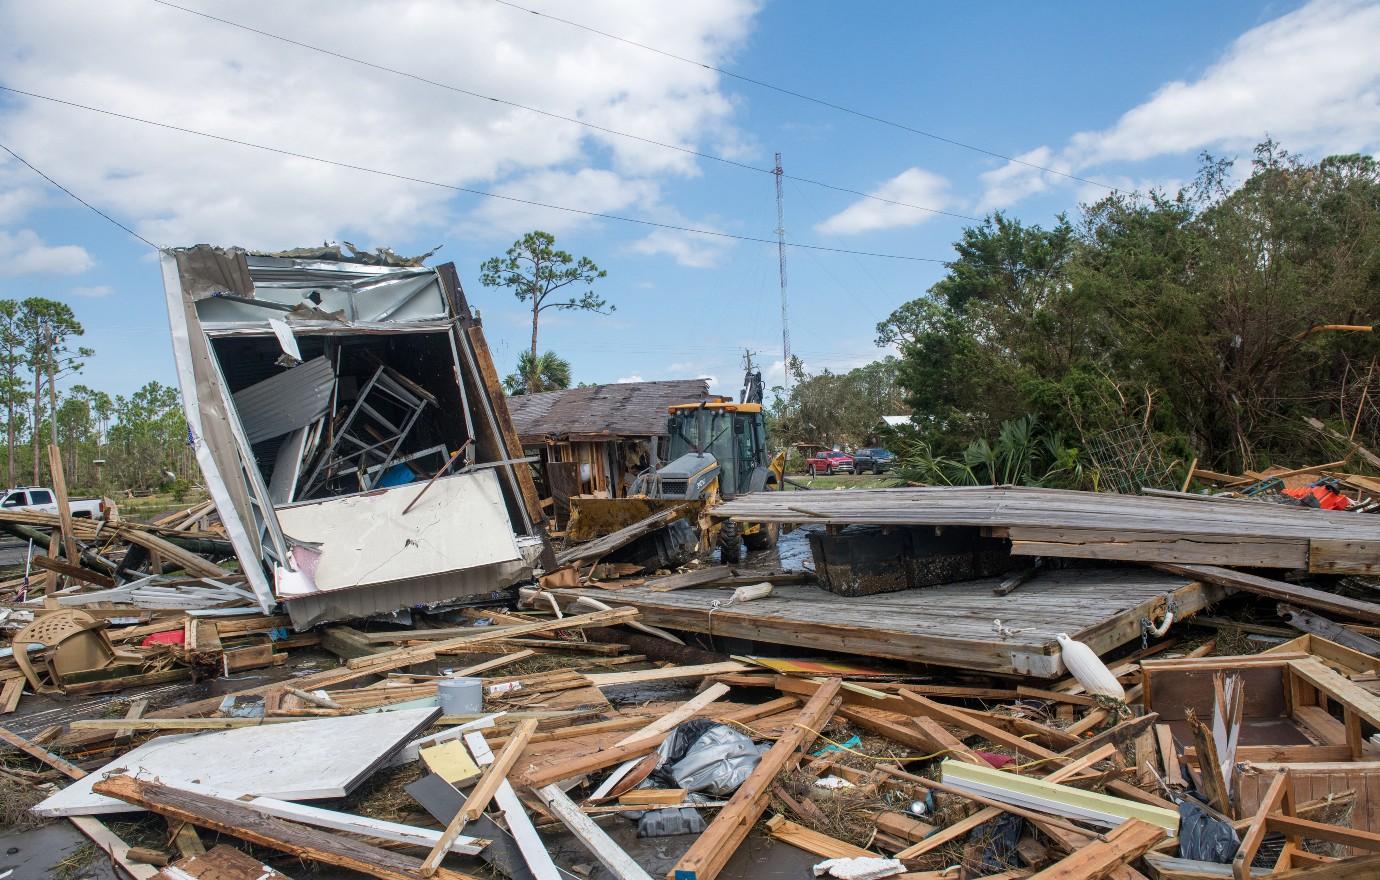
<point x="628" y="409"/>
<point x="290" y="400"/>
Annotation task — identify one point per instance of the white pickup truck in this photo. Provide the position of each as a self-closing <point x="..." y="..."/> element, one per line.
<point x="41" y="499"/>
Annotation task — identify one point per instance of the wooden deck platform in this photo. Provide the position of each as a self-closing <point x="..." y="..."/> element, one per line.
<point x="949" y="625"/>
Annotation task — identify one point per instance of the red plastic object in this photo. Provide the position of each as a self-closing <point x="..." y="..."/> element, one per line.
<point x="171" y="637"/>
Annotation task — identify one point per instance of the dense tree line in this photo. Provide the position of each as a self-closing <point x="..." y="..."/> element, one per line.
<point x="109" y="444"/>
<point x="1212" y="321"/>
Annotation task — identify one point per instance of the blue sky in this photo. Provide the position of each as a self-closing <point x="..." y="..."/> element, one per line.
<point x="1124" y="94"/>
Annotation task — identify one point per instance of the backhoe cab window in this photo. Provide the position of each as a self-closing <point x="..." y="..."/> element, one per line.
<point x="683" y="435"/>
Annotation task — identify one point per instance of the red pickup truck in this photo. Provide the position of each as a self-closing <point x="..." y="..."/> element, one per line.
<point x="829" y="461"/>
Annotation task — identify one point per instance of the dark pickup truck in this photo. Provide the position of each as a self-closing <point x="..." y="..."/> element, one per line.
<point x="872" y="460"/>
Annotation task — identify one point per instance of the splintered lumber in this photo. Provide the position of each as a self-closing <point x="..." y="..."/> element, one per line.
<point x="74" y="571"/>
<point x="590" y="835"/>
<point x="483" y="792"/>
<point x="1280" y="590"/>
<point x="1020" y="745"/>
<point x="686" y="580"/>
<point x="685" y="710"/>
<point x="626" y="535"/>
<point x="904" y="826"/>
<point x="813" y="842"/>
<point x="713" y="848"/>
<point x="670" y="673"/>
<point x="583" y="764"/>
<point x="1318" y="625"/>
<point x="423" y="653"/>
<point x="222" y="863"/>
<point x="47" y="757"/>
<point x="1127" y="842"/>
<point x="111" y="843"/>
<point x="237" y="820"/>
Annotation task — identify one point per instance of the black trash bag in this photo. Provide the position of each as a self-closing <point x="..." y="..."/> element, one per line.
<point x="998" y="838"/>
<point x="705" y="756"/>
<point x="1203" y="836"/>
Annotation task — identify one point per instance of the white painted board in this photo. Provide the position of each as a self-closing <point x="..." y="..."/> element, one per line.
<point x="305" y="760"/>
<point x="460" y="523"/>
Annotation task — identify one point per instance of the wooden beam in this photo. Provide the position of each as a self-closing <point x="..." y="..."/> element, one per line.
<point x="47" y="757"/>
<point x="712" y="849"/>
<point x="684" y="711"/>
<point x="423" y="653"/>
<point x="236" y="819"/>
<point x="1127" y="842"/>
<point x="590" y="835"/>
<point x="813" y="842"/>
<point x="1272" y="800"/>
<point x="1279" y="590"/>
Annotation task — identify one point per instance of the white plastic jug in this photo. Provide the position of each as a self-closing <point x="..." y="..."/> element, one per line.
<point x="1090" y="671"/>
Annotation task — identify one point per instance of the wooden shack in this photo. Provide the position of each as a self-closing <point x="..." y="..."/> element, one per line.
<point x="595" y="440"/>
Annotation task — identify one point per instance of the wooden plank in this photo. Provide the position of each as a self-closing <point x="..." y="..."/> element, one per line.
<point x="813" y="842"/>
<point x="238" y="820"/>
<point x="689" y="709"/>
<point x="1127" y="842"/>
<point x="133" y="713"/>
<point x="1255" y="832"/>
<point x="590" y="835"/>
<point x="1343" y="556"/>
<point x="1318" y="625"/>
<point x="47" y="757"/>
<point x="492" y="664"/>
<point x="221" y="863"/>
<point x="112" y="845"/>
<point x="1280" y="590"/>
<point x="10" y="695"/>
<point x="79" y="572"/>
<point x="1351" y="695"/>
<point x="713" y="848"/>
<point x="669" y="673"/>
<point x="423" y="653"/>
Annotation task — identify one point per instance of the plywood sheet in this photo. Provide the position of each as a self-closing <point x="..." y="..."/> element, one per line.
<point x="460" y="523"/>
<point x="305" y="760"/>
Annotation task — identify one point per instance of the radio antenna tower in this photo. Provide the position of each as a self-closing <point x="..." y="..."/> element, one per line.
<point x="781" y="256"/>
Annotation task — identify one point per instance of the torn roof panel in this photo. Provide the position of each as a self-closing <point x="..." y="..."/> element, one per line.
<point x="625" y="409"/>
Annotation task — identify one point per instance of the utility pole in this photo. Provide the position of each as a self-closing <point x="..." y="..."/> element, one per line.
<point x="781" y="256"/>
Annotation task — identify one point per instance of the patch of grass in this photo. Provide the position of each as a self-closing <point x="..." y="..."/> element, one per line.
<point x="75" y="865"/>
<point x="15" y="801"/>
<point x="847" y="481"/>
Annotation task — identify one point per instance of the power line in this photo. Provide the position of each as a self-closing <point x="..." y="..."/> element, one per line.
<point x="805" y="97"/>
<point x="551" y="115"/>
<point x="477" y="192"/>
<point x="77" y="197"/>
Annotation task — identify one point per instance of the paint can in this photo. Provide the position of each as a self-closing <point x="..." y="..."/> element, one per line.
<point x="460" y="696"/>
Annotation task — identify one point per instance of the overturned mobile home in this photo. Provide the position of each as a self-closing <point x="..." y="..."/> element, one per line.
<point x="323" y="396"/>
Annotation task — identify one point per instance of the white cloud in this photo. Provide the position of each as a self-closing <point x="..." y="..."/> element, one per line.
<point x="177" y="188"/>
<point x="1310" y="79"/>
<point x="24" y="253"/>
<point x="626" y="379"/>
<point x="686" y="248"/>
<point x="914" y="186"/>
<point x="97" y="290"/>
<point x="589" y="189"/>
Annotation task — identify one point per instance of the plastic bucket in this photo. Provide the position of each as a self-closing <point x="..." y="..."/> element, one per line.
<point x="460" y="696"/>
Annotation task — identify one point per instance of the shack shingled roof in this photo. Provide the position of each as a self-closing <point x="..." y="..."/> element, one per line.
<point x="628" y="409"/>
